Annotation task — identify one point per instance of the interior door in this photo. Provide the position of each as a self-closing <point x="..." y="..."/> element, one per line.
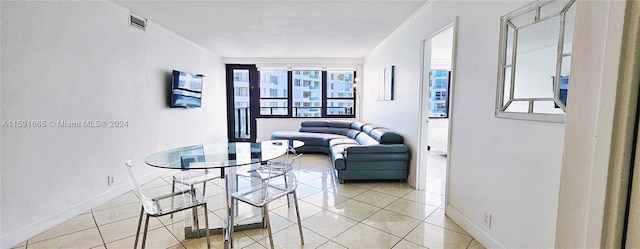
<point x="242" y="97"/>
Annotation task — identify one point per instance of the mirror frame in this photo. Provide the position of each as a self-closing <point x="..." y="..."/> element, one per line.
<point x="505" y="24"/>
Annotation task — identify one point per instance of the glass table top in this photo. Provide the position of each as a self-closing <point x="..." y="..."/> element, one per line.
<point x="223" y="155"/>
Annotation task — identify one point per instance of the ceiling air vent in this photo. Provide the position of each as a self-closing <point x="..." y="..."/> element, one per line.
<point x="138" y="22"/>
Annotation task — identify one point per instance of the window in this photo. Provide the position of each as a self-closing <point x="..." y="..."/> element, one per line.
<point x="310" y="93"/>
<point x="273" y="93"/>
<point x="241" y="91"/>
<point x="340" y="97"/>
<point x="301" y="93"/>
<point x="439" y="86"/>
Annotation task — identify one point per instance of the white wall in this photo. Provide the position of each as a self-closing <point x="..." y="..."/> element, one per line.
<point x="81" y="61"/>
<point x="508" y="168"/>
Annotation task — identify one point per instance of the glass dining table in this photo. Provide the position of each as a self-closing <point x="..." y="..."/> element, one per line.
<point x="227" y="156"/>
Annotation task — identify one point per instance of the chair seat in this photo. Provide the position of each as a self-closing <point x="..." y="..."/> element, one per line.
<point x="195" y="178"/>
<point x="260" y="194"/>
<point x="173" y="202"/>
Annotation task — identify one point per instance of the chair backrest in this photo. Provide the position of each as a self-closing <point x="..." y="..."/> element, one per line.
<point x="269" y="182"/>
<point x="132" y="173"/>
<point x="284" y="175"/>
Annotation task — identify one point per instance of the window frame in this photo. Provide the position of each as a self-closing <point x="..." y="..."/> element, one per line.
<point x="260" y="97"/>
<point x="323" y="102"/>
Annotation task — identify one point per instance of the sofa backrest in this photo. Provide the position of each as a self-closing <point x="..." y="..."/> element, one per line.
<point x="364" y="133"/>
<point x="338" y="127"/>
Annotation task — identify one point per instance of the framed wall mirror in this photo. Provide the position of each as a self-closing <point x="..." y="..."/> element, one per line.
<point x="534" y="61"/>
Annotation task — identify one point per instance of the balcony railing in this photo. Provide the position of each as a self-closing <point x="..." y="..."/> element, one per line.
<point x="242" y="127"/>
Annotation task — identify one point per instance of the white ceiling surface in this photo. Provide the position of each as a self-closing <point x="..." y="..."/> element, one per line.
<point x="280" y="29"/>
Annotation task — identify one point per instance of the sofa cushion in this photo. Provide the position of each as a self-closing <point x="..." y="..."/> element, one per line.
<point x="340" y="124"/>
<point x="369" y="127"/>
<point x="365" y="139"/>
<point x="357" y="125"/>
<point x="314" y="123"/>
<point x="329" y="130"/>
<point x="335" y="142"/>
<point x="309" y="138"/>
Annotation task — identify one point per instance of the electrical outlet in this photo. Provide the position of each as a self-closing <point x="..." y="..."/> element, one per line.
<point x="110" y="180"/>
<point x="487" y="220"/>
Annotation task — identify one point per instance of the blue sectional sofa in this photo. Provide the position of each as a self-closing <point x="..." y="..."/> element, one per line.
<point x="358" y="150"/>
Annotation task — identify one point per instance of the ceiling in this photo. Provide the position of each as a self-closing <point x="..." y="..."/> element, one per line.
<point x="280" y="29"/>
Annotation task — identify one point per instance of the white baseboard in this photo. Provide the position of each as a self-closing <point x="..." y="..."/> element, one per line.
<point x="21" y="234"/>
<point x="478" y="233"/>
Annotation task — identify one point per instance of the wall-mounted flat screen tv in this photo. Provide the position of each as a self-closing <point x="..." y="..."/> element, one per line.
<point x="186" y="89"/>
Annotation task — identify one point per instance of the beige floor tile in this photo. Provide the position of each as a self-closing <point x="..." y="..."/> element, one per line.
<point x="157" y="191"/>
<point x="328" y="224"/>
<point x="425" y="197"/>
<point x="125" y="228"/>
<point x="322" y="183"/>
<point x="117" y="213"/>
<point x="384" y="217"/>
<point x="355" y="210"/>
<point x="306" y="210"/>
<point x="331" y="245"/>
<point x="391" y="222"/>
<point x="155" y="183"/>
<point x="157" y="238"/>
<point x="177" y="228"/>
<point x="440" y="219"/>
<point x="363" y="236"/>
<point x="75" y="224"/>
<point x="126" y="198"/>
<point x="475" y="245"/>
<point x="22" y="245"/>
<point x="303" y="191"/>
<point x="216" y="202"/>
<point x="433" y="236"/>
<point x="376" y="198"/>
<point x="365" y="184"/>
<point x="403" y="244"/>
<point x="241" y="240"/>
<point x="278" y="223"/>
<point x="308" y="176"/>
<point x="83" y="239"/>
<point x="412" y="209"/>
<point x="395" y="189"/>
<point x="325" y="199"/>
<point x="201" y="243"/>
<point x="348" y="190"/>
<point x="290" y="238"/>
<point x="435" y="186"/>
<point x="255" y="245"/>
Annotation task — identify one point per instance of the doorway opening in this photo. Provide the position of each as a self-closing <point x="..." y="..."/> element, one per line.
<point x="437" y="87"/>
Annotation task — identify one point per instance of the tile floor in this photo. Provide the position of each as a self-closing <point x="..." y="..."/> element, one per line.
<point x="352" y="215"/>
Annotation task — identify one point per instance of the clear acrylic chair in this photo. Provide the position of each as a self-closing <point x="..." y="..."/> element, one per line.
<point x="167" y="204"/>
<point x="191" y="178"/>
<point x="267" y="183"/>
